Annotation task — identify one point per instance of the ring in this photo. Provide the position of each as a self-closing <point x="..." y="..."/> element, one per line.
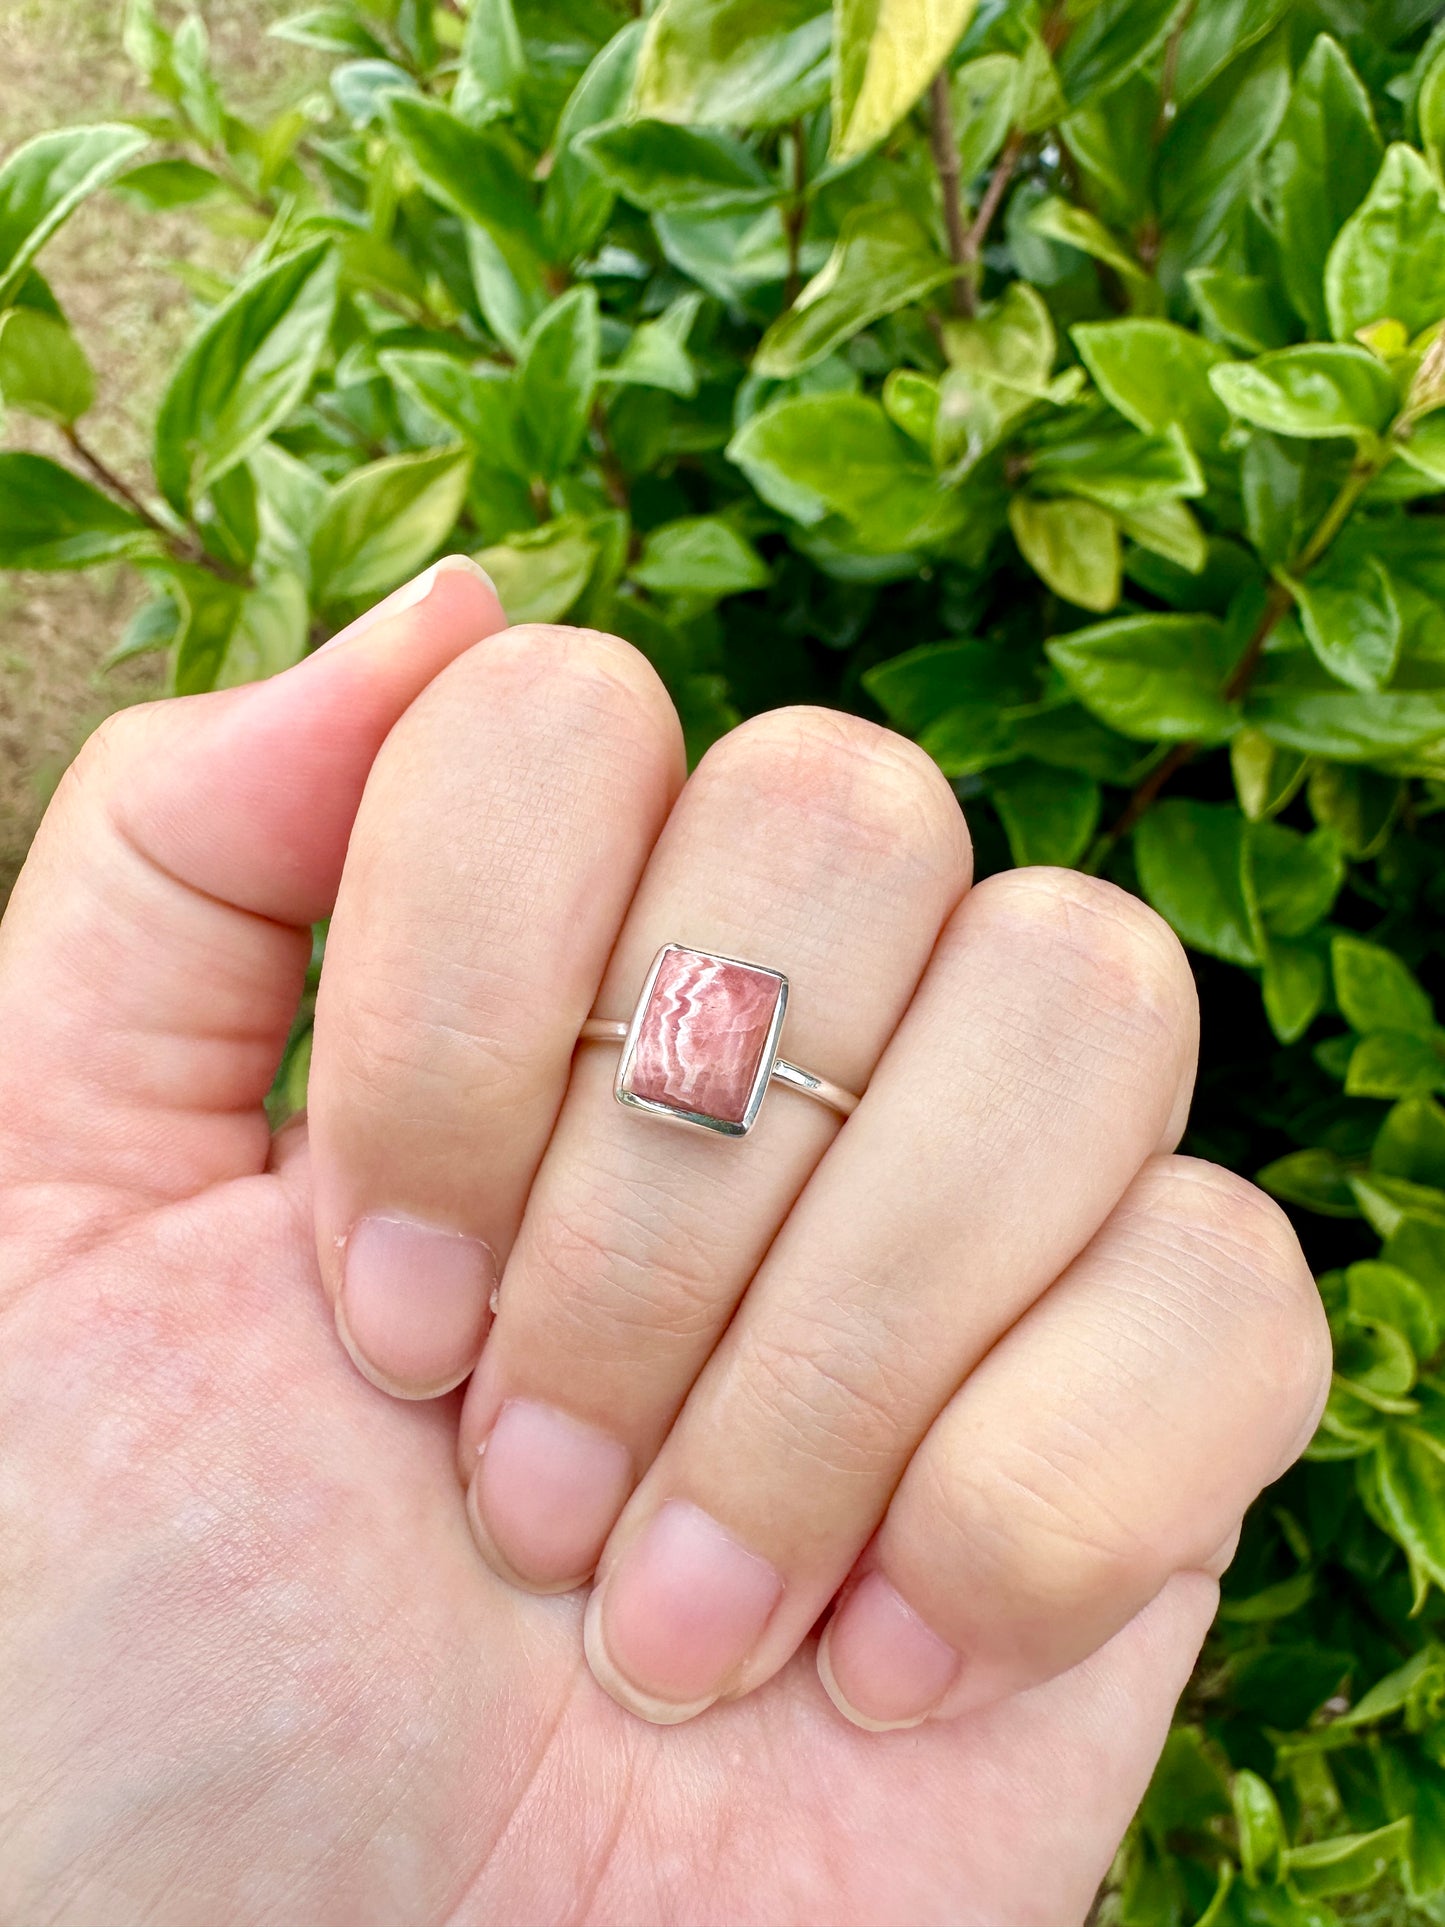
<point x="702" y="1047"/>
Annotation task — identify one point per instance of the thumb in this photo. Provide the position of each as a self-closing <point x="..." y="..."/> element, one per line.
<point x="155" y="948"/>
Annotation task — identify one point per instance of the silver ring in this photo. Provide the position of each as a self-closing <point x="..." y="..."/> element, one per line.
<point x="702" y="1046"/>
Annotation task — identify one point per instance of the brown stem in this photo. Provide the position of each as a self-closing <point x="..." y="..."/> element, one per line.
<point x="950" y="180"/>
<point x="614" y="479"/>
<point x="184" y="548"/>
<point x="1171" y="70"/>
<point x="988" y="206"/>
<point x="1276" y="604"/>
<point x="795" y="216"/>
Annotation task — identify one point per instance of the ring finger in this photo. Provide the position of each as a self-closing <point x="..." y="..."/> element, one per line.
<point x="808" y="842"/>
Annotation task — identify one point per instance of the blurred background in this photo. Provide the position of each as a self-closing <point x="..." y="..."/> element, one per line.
<point x="113" y="268"/>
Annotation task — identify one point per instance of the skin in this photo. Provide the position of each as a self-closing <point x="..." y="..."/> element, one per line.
<point x="992" y="1363"/>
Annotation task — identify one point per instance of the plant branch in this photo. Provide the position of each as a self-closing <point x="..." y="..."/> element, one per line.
<point x="614" y="479"/>
<point x="182" y="547"/>
<point x="1171" y="70"/>
<point x="1276" y="604"/>
<point x="945" y="160"/>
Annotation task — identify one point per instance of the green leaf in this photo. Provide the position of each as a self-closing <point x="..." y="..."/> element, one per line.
<point x="1315" y="1179"/>
<point x="1152" y="677"/>
<point x="1421" y="444"/>
<point x="738" y="63"/>
<point x="1192" y="868"/>
<point x="1411" y="1143"/>
<point x="1258" y="1824"/>
<point x="1374" y="989"/>
<point x="168" y="184"/>
<point x="540" y="575"/>
<point x="155" y="625"/>
<point x="469" y="168"/>
<point x="1156" y="375"/>
<point x="1073" y="546"/>
<point x="1246" y="310"/>
<point x="1396" y="1063"/>
<point x="384" y="521"/>
<point x="1109" y="40"/>
<point x="885" y="52"/>
<point x="45" y="180"/>
<point x="1167" y="529"/>
<point x="1265" y="776"/>
<point x="1293" y="986"/>
<point x="1296" y="878"/>
<point x="1349" y="613"/>
<point x="1048" y="815"/>
<point x="51" y="519"/>
<point x="1117" y="467"/>
<point x="244" y="373"/>
<point x="575" y="202"/>
<point x="656" y="353"/>
<point x="811" y="455"/>
<point x="1347" y="1863"/>
<point x="881" y="261"/>
<point x="1204" y="166"/>
<point x="1076" y="227"/>
<point x="1298" y="704"/>
<point x="701" y="555"/>
<point x="1430" y="107"/>
<point x="556" y="382"/>
<point x="984" y="93"/>
<point x="43" y="369"/>
<point x="1388" y="261"/>
<point x="1325" y="390"/>
<point x="1317" y="172"/>
<point x="676" y="169"/>
<point x="334" y="30"/>
<point x="1385" y="1295"/>
<point x="493" y="64"/>
<point x="476" y="403"/>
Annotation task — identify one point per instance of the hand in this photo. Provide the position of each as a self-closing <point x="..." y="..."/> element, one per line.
<point x="1006" y="1370"/>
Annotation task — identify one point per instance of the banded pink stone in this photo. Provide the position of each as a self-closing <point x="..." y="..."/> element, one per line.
<point x="701" y="1035"/>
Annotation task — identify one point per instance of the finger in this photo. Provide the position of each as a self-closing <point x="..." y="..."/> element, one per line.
<point x="1111" y="1440"/>
<point x="500" y="839"/>
<point x="1040" y="1064"/>
<point x="153" y="953"/>
<point x="814" y="843"/>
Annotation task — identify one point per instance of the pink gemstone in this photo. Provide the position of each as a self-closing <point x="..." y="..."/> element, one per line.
<point x="702" y="1034"/>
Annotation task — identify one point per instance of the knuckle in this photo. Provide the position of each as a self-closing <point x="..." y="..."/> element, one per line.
<point x="863" y="786"/>
<point x="1245" y="1244"/>
<point x="111" y="750"/>
<point x="1118" y="955"/>
<point x="830" y="1399"/>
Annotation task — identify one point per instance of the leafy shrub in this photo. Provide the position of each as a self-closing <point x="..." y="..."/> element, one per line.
<point x="1060" y="380"/>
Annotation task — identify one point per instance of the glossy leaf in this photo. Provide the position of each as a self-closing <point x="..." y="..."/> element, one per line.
<point x="882" y="260"/>
<point x="1156" y="374"/>
<point x="43" y="182"/>
<point x="676" y="169"/>
<point x="1348" y="610"/>
<point x="1375" y="989"/>
<point x="1388" y="261"/>
<point x="1071" y="545"/>
<point x="556" y="383"/>
<point x="885" y="52"/>
<point x="540" y="575"/>
<point x="737" y="63"/>
<point x="1152" y="677"/>
<point x="469" y="168"/>
<point x="700" y="556"/>
<point x="51" y="519"/>
<point x="1318" y="171"/>
<point x="1193" y="869"/>
<point x="493" y="64"/>
<point x="43" y="368"/>
<point x="383" y="522"/>
<point x="244" y="373"/>
<point x="1049" y="815"/>
<point x="1327" y="390"/>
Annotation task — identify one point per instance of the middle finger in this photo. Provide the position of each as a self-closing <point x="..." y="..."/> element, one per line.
<point x="808" y="842"/>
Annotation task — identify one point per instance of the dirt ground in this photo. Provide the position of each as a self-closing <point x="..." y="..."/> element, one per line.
<point x="61" y="62"/>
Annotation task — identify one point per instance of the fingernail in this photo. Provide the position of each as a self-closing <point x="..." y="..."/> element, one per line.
<point x="545" y="1494"/>
<point x="881" y="1666"/>
<point x="413" y="1307"/>
<point x="408" y="596"/>
<point x="671" y="1624"/>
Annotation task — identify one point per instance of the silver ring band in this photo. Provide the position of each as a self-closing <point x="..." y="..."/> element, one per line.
<point x="608" y="1030"/>
<point x="702" y="1046"/>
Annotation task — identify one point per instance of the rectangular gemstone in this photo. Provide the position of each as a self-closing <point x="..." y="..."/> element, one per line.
<point x="699" y="1041"/>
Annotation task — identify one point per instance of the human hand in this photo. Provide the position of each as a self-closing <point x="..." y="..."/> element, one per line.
<point x="1003" y="1368"/>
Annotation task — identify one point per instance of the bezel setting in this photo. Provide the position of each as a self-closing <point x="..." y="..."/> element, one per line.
<point x="624" y="1085"/>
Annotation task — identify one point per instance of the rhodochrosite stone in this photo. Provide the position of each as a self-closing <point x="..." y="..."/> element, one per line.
<point x="702" y="1034"/>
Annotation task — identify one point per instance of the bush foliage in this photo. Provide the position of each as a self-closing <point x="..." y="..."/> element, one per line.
<point x="1060" y="380"/>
